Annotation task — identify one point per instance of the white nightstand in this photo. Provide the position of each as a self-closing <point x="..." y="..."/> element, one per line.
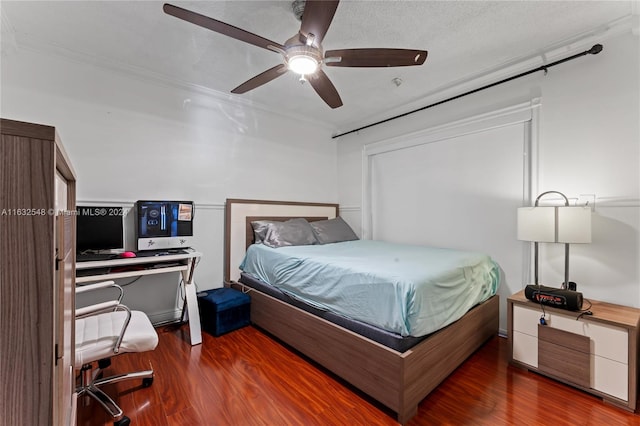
<point x="597" y="353"/>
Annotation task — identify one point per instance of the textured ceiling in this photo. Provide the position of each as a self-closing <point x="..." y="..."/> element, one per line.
<point x="463" y="38"/>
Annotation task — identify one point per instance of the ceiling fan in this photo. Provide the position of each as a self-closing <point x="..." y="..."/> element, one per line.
<point x="303" y="53"/>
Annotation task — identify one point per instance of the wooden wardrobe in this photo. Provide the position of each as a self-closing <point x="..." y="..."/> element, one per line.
<point x="37" y="277"/>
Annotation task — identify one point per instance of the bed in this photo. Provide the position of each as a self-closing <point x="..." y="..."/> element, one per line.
<point x="398" y="377"/>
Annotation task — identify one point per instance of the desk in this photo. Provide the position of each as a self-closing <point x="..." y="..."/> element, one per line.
<point x="103" y="270"/>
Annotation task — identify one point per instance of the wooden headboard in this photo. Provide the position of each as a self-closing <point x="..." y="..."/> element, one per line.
<point x="239" y="214"/>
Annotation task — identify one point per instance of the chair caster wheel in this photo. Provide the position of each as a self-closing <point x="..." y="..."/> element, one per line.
<point x="124" y="421"/>
<point x="147" y="382"/>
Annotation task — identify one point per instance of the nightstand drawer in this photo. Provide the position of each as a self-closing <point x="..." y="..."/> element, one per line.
<point x="525" y="348"/>
<point x="526" y="320"/>
<point x="607" y="341"/>
<point x="564" y="355"/>
<point x="610" y="377"/>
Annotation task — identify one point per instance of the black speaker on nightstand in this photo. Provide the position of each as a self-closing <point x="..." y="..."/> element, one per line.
<point x="556" y="297"/>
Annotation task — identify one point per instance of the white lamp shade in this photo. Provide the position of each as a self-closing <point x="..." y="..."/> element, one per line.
<point x="574" y="225"/>
<point x="537" y="224"/>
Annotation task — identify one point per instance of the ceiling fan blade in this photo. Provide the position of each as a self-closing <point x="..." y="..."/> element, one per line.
<point x="260" y="79"/>
<point x="317" y="17"/>
<point x="325" y="88"/>
<point x="219" y="27"/>
<point x="375" y="57"/>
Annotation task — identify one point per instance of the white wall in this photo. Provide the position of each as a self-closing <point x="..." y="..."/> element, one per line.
<point x="588" y="143"/>
<point x="131" y="138"/>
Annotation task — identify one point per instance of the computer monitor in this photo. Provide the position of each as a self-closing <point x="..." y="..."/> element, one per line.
<point x="99" y="228"/>
<point x="162" y="224"/>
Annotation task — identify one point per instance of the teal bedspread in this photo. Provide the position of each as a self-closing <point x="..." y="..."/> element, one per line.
<point x="405" y="289"/>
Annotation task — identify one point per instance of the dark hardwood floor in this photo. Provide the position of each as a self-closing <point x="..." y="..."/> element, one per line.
<point x="248" y="378"/>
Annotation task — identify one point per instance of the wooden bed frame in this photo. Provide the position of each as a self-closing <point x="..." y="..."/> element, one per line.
<point x="399" y="380"/>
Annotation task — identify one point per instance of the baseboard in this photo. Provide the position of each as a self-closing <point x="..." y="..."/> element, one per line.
<point x="160" y="318"/>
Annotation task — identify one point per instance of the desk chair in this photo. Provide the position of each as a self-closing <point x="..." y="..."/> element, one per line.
<point x="105" y="330"/>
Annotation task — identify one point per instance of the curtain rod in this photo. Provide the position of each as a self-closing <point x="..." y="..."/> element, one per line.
<point x="597" y="48"/>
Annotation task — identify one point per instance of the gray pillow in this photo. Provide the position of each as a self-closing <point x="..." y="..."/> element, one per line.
<point x="294" y="232"/>
<point x="260" y="228"/>
<point x="333" y="231"/>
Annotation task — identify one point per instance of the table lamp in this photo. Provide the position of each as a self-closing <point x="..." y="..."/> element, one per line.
<point x="554" y="224"/>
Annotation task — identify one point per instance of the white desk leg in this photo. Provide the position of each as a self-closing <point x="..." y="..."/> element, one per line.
<point x="193" y="312"/>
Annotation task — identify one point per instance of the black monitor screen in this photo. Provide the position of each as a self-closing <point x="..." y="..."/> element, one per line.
<point x="99" y="228"/>
<point x="165" y="219"/>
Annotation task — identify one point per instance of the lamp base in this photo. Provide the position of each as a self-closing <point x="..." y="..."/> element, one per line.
<point x="556" y="297"/>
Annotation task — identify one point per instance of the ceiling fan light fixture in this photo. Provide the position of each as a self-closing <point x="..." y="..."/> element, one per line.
<point x="303" y="65"/>
<point x="303" y="60"/>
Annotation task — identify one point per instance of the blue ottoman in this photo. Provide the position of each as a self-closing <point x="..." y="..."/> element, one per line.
<point x="223" y="310"/>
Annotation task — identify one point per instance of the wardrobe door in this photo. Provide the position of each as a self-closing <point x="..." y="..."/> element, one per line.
<point x="37" y="277"/>
<point x="27" y="342"/>
<point x="65" y="322"/>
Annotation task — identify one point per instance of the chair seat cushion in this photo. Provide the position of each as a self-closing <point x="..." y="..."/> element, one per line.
<point x="97" y="335"/>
